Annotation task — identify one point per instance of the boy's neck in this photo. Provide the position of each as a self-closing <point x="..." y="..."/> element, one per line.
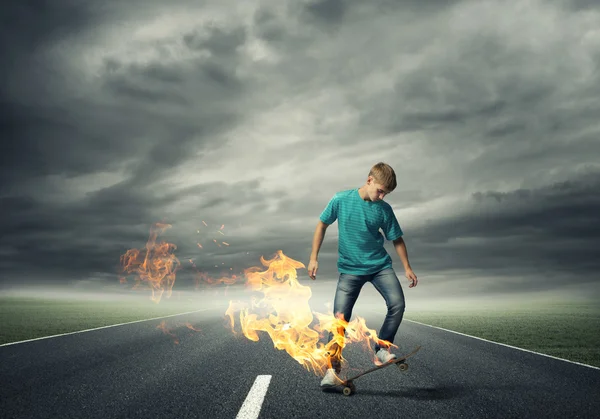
<point x="363" y="193"/>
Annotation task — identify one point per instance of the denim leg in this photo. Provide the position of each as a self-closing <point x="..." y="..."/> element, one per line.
<point x="387" y="284"/>
<point x="346" y="294"/>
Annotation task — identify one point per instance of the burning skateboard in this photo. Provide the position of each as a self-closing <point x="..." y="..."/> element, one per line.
<point x="348" y="383"/>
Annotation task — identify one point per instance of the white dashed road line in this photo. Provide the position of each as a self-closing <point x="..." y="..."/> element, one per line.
<point x="251" y="407"/>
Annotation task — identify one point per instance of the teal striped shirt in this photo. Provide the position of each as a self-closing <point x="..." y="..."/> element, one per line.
<point x="360" y="225"/>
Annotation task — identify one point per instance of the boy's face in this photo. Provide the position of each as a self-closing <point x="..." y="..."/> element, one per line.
<point x="375" y="190"/>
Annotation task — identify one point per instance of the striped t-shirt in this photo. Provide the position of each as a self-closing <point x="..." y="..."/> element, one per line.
<point x="360" y="246"/>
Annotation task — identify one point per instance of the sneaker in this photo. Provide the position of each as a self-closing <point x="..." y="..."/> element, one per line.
<point x="330" y="379"/>
<point x="384" y="356"/>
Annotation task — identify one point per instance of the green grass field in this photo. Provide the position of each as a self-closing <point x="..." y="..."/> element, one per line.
<point x="28" y="318"/>
<point x="565" y="330"/>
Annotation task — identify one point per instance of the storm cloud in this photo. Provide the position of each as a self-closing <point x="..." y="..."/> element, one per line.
<point x="251" y="115"/>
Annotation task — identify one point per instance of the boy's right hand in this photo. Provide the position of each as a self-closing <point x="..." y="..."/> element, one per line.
<point x="313" y="266"/>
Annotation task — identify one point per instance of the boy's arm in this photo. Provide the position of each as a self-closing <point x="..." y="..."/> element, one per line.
<point x="316" y="246"/>
<point x="400" y="247"/>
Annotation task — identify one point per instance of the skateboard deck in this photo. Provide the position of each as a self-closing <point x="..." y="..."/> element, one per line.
<point x="348" y="383"/>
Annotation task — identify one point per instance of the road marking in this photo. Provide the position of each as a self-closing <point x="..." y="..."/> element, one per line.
<point x="504" y="344"/>
<point x="251" y="407"/>
<point x="104" y="327"/>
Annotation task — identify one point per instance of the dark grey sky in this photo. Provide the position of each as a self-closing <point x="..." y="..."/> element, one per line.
<point x="253" y="114"/>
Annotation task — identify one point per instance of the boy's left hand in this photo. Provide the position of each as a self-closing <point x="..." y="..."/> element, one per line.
<point x="411" y="277"/>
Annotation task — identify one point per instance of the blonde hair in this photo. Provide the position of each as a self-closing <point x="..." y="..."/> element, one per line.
<point x="385" y="175"/>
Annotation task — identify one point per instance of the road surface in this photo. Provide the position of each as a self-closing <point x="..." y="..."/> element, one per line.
<point x="137" y="371"/>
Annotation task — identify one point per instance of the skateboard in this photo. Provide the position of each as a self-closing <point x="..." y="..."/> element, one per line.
<point x="348" y="383"/>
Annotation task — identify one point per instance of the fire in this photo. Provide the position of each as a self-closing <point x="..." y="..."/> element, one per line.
<point x="191" y="327"/>
<point x="285" y="315"/>
<point x="203" y="277"/>
<point x="156" y="266"/>
<point x="163" y="326"/>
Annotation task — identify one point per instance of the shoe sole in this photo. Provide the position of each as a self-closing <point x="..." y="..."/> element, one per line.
<point x="383" y="363"/>
<point x="327" y="385"/>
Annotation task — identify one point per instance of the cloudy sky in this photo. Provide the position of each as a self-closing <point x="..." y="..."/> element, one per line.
<point x="251" y="115"/>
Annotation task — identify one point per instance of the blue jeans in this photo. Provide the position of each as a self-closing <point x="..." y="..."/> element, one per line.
<point x="387" y="284"/>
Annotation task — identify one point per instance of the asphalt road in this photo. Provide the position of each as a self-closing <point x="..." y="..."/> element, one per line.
<point x="137" y="371"/>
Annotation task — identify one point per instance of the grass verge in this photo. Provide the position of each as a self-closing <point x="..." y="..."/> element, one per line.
<point x="25" y="318"/>
<point x="565" y="330"/>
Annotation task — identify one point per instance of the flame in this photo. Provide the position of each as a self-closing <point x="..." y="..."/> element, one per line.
<point x="163" y="326"/>
<point x="156" y="266"/>
<point x="191" y="327"/>
<point x="285" y="315"/>
<point x="205" y="278"/>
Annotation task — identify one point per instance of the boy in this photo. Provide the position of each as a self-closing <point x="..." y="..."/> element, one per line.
<point x="361" y="213"/>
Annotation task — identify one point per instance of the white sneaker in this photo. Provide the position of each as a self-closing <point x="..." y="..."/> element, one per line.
<point x="330" y="379"/>
<point x="384" y="356"/>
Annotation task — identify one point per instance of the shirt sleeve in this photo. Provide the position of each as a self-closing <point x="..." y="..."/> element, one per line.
<point x="330" y="213"/>
<point x="391" y="228"/>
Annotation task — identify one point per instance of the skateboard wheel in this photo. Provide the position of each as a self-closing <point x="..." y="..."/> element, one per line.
<point x="403" y="366"/>
<point x="347" y="391"/>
